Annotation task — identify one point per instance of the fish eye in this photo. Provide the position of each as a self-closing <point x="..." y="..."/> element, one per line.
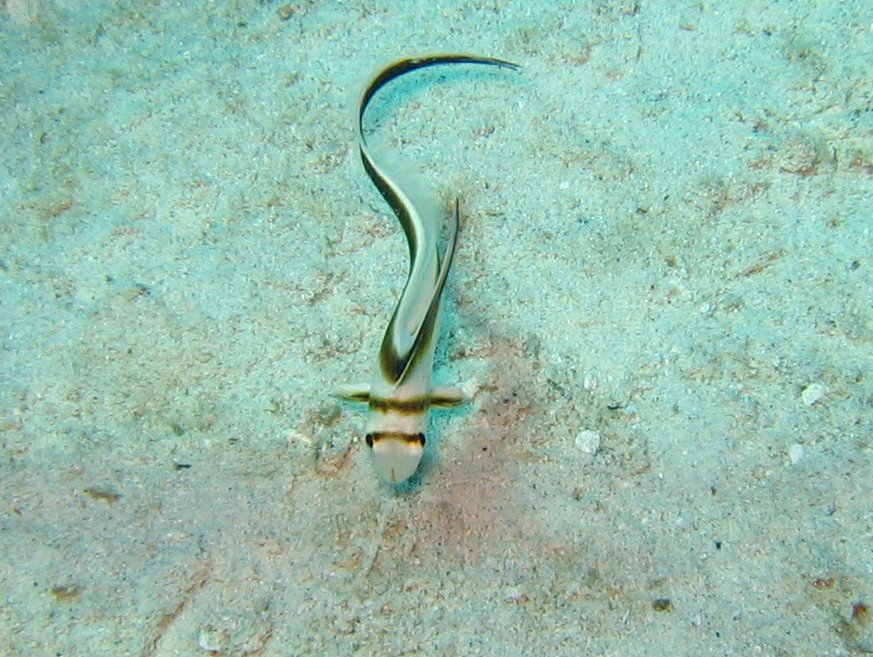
<point x="421" y="439"/>
<point x="369" y="440"/>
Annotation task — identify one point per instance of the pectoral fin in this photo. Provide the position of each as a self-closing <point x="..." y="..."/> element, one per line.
<point x="446" y="397"/>
<point x="357" y="392"/>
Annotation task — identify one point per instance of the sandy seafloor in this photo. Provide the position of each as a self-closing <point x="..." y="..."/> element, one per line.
<point x="662" y="304"/>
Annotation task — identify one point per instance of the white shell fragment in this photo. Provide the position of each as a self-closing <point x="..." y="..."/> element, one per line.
<point x="813" y="392"/>
<point x="588" y="441"/>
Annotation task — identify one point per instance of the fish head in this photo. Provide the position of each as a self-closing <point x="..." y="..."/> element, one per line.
<point x="396" y="455"/>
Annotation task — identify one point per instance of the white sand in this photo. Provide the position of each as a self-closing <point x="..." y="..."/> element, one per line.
<point x="666" y="240"/>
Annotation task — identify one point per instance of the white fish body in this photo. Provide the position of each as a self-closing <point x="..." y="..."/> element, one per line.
<point x="400" y="393"/>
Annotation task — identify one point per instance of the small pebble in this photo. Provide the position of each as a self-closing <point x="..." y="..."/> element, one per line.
<point x="796" y="452"/>
<point x="212" y="639"/>
<point x="513" y="594"/>
<point x="813" y="392"/>
<point x="588" y="441"/>
<point x="662" y="604"/>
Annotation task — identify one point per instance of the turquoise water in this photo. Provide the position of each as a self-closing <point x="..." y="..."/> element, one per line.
<point x="661" y="306"/>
